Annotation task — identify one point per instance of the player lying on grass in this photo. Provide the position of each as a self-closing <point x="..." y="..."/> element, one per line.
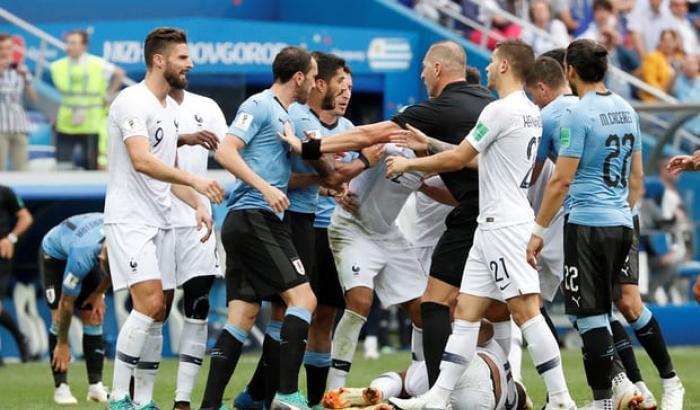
<point x="486" y="383"/>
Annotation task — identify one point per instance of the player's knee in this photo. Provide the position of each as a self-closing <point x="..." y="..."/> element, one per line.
<point x="89" y="319"/>
<point x="324" y="317"/>
<point x="198" y="308"/>
<point x="359" y="304"/>
<point x="630" y="308"/>
<point x="153" y="305"/>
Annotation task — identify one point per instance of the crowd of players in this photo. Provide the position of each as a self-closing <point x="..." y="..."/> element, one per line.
<point x="311" y="228"/>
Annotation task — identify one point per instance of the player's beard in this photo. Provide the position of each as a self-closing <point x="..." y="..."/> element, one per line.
<point x="328" y="102"/>
<point x="174" y="80"/>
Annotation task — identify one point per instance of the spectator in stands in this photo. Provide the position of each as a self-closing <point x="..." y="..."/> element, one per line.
<point x="575" y="14"/>
<point x="686" y="87"/>
<point x="646" y="22"/>
<point x="15" y="83"/>
<point x="84" y="81"/>
<point x="672" y="242"/>
<point x="660" y="65"/>
<point x="15" y="219"/>
<point x="541" y="17"/>
<point x="620" y="57"/>
<point x="689" y="36"/>
<point x="431" y="10"/>
<point x="603" y="20"/>
<point x="492" y="11"/>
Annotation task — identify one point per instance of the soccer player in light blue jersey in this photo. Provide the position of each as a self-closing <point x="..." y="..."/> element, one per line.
<point x="74" y="269"/>
<point x="261" y="260"/>
<point x="600" y="167"/>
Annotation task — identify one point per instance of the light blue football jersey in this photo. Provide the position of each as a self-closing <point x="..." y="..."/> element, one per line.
<point x="257" y="123"/>
<point x="78" y="241"/>
<point x="603" y="131"/>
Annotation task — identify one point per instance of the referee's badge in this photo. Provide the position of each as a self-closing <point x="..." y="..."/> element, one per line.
<point x="298" y="266"/>
<point x="50" y="295"/>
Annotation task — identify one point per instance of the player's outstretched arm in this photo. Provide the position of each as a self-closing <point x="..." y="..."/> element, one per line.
<point x="229" y="156"/>
<point x="357" y="138"/>
<point x="681" y="163"/>
<point x="452" y="160"/>
<point x="145" y="162"/>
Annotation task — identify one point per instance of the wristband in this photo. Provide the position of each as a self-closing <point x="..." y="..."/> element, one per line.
<point x="364" y="160"/>
<point x="539" y="230"/>
<point x="12" y="238"/>
<point x="311" y="149"/>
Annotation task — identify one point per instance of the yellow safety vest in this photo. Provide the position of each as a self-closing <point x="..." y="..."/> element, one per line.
<point x="84" y="88"/>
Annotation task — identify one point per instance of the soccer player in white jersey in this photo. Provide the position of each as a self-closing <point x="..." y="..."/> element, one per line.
<point x="506" y="136"/>
<point x="372" y="255"/>
<point x="138" y="211"/>
<point x="201" y="125"/>
<point x="486" y="384"/>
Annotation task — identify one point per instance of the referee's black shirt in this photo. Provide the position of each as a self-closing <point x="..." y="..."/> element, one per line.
<point x="10" y="204"/>
<point x="449" y="117"/>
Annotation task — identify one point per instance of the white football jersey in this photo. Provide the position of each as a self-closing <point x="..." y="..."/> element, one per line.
<point x="133" y="197"/>
<point x="380" y="198"/>
<point x="196" y="113"/>
<point x="431" y="214"/>
<point x="506" y="136"/>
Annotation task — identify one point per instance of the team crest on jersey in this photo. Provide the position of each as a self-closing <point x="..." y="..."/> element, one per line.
<point x="133" y="265"/>
<point x="71" y="281"/>
<point x="50" y="295"/>
<point x="481" y="130"/>
<point x="565" y="137"/>
<point x="298" y="266"/>
<point x="243" y="121"/>
<point x="198" y="118"/>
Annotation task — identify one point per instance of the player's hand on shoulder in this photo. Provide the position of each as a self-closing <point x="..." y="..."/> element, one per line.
<point x="210" y="188"/>
<point x="373" y="153"/>
<point x="534" y="247"/>
<point x="277" y="200"/>
<point x="204" y="219"/>
<point x="395" y="165"/>
<point x="291" y="139"/>
<point x="411" y="138"/>
<point x="206" y="139"/>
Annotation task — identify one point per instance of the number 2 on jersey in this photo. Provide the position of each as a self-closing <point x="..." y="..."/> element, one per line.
<point x="614" y="141"/>
<point x="531" y="151"/>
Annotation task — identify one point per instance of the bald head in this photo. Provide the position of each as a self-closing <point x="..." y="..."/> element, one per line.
<point x="448" y="54"/>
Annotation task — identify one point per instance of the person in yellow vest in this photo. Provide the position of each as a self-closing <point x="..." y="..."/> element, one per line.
<point x="87" y="83"/>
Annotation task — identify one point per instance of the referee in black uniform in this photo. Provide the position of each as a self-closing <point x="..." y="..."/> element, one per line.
<point x="15" y="219"/>
<point x="449" y="114"/>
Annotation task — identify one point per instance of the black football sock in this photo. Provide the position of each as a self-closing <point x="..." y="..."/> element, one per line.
<point x="317" y="365"/>
<point x="295" y="329"/>
<point x="650" y="337"/>
<point x="598" y="360"/>
<point x="224" y="358"/>
<point x="624" y="349"/>
<point x="436" y="331"/>
<point x="93" y="350"/>
<point x="58" y="377"/>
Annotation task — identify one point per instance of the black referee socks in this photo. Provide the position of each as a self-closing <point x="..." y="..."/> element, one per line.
<point x="436" y="331"/>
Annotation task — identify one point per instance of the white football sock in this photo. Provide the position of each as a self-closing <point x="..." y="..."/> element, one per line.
<point x="130" y="342"/>
<point x="417" y="345"/>
<point x="389" y="384"/>
<point x="515" y="357"/>
<point x="147" y="369"/>
<point x="459" y="352"/>
<point x="343" y="348"/>
<point x="502" y="335"/>
<point x="193" y="346"/>
<point x="545" y="355"/>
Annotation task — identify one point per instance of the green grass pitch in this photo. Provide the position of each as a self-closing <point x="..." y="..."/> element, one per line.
<point x="29" y="386"/>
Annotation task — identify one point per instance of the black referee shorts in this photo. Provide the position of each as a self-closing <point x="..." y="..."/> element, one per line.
<point x="51" y="272"/>
<point x="629" y="274"/>
<point x="593" y="258"/>
<point x="451" y="251"/>
<point x="5" y="273"/>
<point x="261" y="261"/>
<point x="324" y="276"/>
